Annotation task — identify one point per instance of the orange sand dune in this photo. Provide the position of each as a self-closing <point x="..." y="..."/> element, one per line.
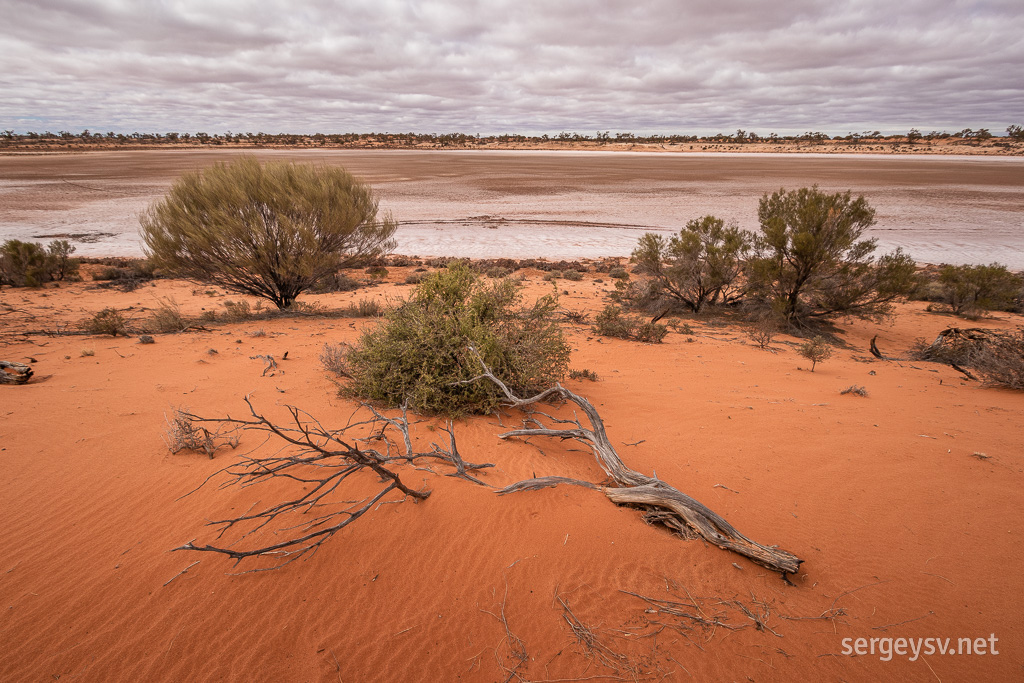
<point x="904" y="533"/>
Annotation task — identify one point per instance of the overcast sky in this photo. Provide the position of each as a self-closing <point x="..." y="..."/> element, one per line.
<point x="499" y="66"/>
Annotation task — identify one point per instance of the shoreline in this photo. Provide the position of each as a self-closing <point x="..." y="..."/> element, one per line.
<point x="994" y="147"/>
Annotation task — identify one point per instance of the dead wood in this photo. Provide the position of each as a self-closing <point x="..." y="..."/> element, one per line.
<point x="318" y="461"/>
<point x="12" y="372"/>
<point x="675" y="508"/>
<point x="543" y="483"/>
<point x="874" y="349"/>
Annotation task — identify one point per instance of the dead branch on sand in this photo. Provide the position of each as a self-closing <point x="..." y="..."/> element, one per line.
<point x="318" y="461"/>
<point x="664" y="504"/>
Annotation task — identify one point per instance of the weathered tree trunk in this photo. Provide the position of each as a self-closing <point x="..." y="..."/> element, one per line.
<point x="665" y="504"/>
<point x="14" y="373"/>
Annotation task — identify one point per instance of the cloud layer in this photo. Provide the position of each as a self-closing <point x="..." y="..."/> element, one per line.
<point x="498" y="66"/>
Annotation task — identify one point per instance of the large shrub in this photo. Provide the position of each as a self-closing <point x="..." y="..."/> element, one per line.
<point x="697" y="267"/>
<point x="272" y="231"/>
<point x="421" y="352"/>
<point x="810" y="260"/>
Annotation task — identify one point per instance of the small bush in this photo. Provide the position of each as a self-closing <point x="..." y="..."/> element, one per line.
<point x="619" y="273"/>
<point x="235" y="311"/>
<point x="332" y="357"/>
<point x="377" y="272"/>
<point x="583" y="374"/>
<point x="336" y="282"/>
<point x="855" y="390"/>
<point x="572" y="275"/>
<point x="576" y="317"/>
<point x="420" y="352"/>
<point x="182" y="433"/>
<point x="414" y="278"/>
<point x="167" y="317"/>
<point x="108" y="321"/>
<point x="680" y="327"/>
<point x="763" y="330"/>
<point x="498" y="272"/>
<point x="611" y="322"/>
<point x="816" y="350"/>
<point x="364" y="308"/>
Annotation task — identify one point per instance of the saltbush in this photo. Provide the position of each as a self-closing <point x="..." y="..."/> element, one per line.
<point x="421" y="350"/>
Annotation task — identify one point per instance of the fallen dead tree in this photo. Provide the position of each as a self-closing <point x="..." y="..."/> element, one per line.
<point x="995" y="355"/>
<point x="662" y="503"/>
<point x="320" y="460"/>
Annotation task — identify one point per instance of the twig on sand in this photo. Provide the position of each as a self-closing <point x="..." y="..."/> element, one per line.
<point x="183" y="571"/>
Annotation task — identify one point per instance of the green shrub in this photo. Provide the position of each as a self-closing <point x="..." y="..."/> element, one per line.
<point x="619" y="273"/>
<point x="270" y="231"/>
<point x="810" y="262"/>
<point x="420" y="351"/>
<point x="611" y="322"/>
<point x="971" y="289"/>
<point x="28" y="264"/>
<point x="699" y="266"/>
<point x="572" y="275"/>
<point x="816" y="350"/>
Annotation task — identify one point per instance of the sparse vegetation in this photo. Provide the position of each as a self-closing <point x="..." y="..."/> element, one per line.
<point x="612" y="322"/>
<point x="108" y="321"/>
<point x="270" y="231"/>
<point x="816" y="350"/>
<point x="420" y="351"/>
<point x="855" y="390"/>
<point x="589" y="375"/>
<point x="763" y="330"/>
<point x="167" y="317"/>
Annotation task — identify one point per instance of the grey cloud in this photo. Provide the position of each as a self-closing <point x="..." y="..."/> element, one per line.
<point x="503" y="65"/>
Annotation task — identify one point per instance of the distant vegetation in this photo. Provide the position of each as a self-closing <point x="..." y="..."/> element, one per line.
<point x="87" y="138"/>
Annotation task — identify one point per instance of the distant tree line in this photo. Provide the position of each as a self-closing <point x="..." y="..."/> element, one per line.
<point x="8" y="138"/>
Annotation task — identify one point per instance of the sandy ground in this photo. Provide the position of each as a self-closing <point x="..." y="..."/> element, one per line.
<point x="906" y="531"/>
<point x="562" y="205"/>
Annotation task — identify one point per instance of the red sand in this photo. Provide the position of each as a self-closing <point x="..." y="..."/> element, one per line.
<point x="902" y="530"/>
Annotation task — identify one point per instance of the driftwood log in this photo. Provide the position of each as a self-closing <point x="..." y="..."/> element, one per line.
<point x="662" y="503"/>
<point x="14" y="373"/>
